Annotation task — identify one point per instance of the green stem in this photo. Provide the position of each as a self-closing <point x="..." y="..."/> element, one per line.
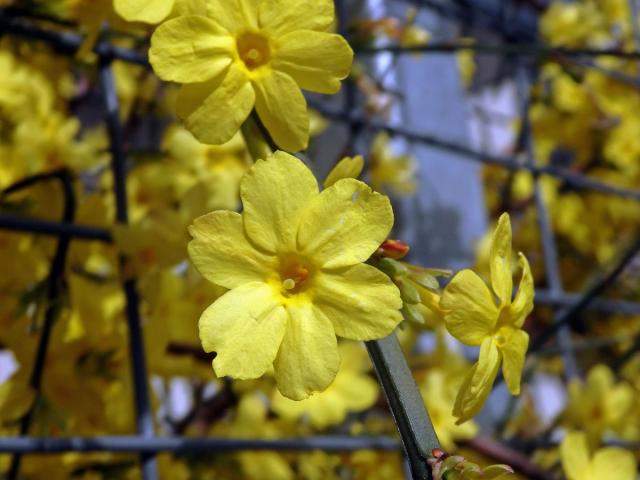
<point x="256" y="138"/>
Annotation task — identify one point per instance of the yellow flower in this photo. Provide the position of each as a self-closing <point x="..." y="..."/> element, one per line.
<point x="611" y="462"/>
<point x="251" y="421"/>
<point x="293" y="263"/>
<point x="389" y="171"/>
<point x="474" y="318"/>
<point x="348" y="167"/>
<point x="245" y="54"/>
<point x="352" y="391"/>
<point x="154" y="11"/>
<point x="438" y="391"/>
<point x="600" y="404"/>
<point x="149" y="11"/>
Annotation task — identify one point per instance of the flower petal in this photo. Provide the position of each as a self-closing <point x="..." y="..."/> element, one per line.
<point x="470" y="312"/>
<point x="222" y="253"/>
<point x="149" y="11"/>
<point x="500" y="260"/>
<point x="513" y="355"/>
<point x="278" y="17"/>
<point x="274" y="193"/>
<point x="308" y="358"/>
<point x="361" y="302"/>
<point x="523" y="303"/>
<point x="348" y="167"/>
<point x="190" y="49"/>
<point x="317" y="61"/>
<point x="477" y="385"/>
<point x="574" y="453"/>
<point x="614" y="462"/>
<point x="345" y="224"/>
<point x="245" y="327"/>
<point x="234" y="15"/>
<point x="282" y="109"/>
<point x="214" y="111"/>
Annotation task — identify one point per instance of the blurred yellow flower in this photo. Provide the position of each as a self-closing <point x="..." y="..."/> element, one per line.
<point x="389" y="172"/>
<point x="473" y="317"/>
<point x="154" y="11"/>
<point x="293" y="261"/>
<point x="245" y="54"/>
<point x="439" y="392"/>
<point x="610" y="462"/>
<point x="599" y="405"/>
<point x="149" y="11"/>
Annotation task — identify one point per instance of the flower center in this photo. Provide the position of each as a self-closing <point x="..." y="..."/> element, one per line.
<point x="253" y="49"/>
<point x="295" y="274"/>
<point x="502" y="335"/>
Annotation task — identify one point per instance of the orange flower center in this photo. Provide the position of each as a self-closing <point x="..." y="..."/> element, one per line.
<point x="253" y="49"/>
<point x="295" y="274"/>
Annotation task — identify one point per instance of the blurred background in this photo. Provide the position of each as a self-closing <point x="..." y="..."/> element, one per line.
<point x="462" y="110"/>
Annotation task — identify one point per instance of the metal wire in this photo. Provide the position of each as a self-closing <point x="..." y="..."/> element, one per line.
<point x="144" y="414"/>
<point x="136" y="444"/>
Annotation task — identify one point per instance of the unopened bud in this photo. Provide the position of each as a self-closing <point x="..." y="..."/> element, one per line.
<point x="392" y="267"/>
<point x="395" y="249"/>
<point x="408" y="292"/>
<point x="411" y="313"/>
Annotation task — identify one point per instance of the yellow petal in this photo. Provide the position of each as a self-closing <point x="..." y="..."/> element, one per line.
<point x="600" y="380"/>
<point x="308" y="358"/>
<point x="213" y="111"/>
<point x="348" y="167"/>
<point x="574" y="453"/>
<point x="234" y="15"/>
<point x="500" y="260"/>
<point x="274" y="193"/>
<point x="361" y="302"/>
<point x="245" y="326"/>
<point x="478" y="383"/>
<point x="613" y="462"/>
<point x="283" y="110"/>
<point x="317" y="61"/>
<point x="470" y="312"/>
<point x="149" y="11"/>
<point x="513" y="355"/>
<point x="222" y="253"/>
<point x="496" y="472"/>
<point x="190" y="7"/>
<point x="282" y="16"/>
<point x="271" y="465"/>
<point x="523" y="303"/>
<point x="190" y="49"/>
<point x="345" y="224"/>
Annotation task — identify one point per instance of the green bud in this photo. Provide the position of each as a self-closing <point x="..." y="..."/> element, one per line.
<point x="412" y="314"/>
<point x="426" y="280"/>
<point x="392" y="267"/>
<point x="408" y="292"/>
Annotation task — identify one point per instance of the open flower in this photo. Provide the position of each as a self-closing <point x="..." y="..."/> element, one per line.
<point x="609" y="462"/>
<point x="476" y="315"/>
<point x="245" y="54"/>
<point x="293" y="261"/>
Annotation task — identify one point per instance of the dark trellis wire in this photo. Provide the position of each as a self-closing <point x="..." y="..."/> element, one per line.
<point x="406" y="405"/>
<point x="54" y="281"/>
<point x="549" y="250"/>
<point x="144" y="414"/>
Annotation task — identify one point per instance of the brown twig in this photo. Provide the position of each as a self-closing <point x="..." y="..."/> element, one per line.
<point x="504" y="454"/>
